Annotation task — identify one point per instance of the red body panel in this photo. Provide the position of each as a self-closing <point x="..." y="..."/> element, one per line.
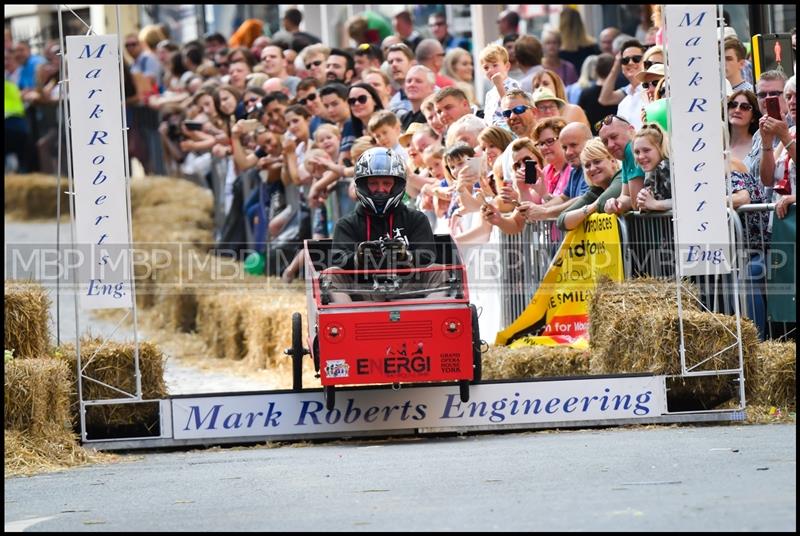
<point x="395" y="344"/>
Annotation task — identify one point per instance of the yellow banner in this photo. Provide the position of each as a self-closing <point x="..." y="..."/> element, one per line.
<point x="558" y="312"/>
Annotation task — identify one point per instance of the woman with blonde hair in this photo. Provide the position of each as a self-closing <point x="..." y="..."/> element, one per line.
<point x="602" y="173"/>
<point x="458" y="67"/>
<point x="570" y="112"/>
<point x="576" y="44"/>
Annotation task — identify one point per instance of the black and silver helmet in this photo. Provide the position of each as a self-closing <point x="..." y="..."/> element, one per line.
<point x="380" y="162"/>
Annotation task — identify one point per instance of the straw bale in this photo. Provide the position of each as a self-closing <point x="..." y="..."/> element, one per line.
<point x="775" y="380"/>
<point x="113" y="364"/>
<point x="268" y="329"/>
<point x="157" y="190"/>
<point x="631" y="300"/>
<point x="537" y="361"/>
<point x="174" y="216"/>
<point x="209" y="314"/>
<point x="26" y="306"/>
<point x="651" y="343"/>
<point x="27" y="454"/>
<point x="36" y="394"/>
<point x="33" y="196"/>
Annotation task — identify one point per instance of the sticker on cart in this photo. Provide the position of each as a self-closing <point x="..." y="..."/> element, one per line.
<point x="337" y="368"/>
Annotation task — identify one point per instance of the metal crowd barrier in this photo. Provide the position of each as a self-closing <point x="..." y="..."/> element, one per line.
<point x="647" y="241"/>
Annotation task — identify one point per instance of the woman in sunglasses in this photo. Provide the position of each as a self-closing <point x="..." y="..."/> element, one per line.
<point x="363" y="101"/>
<point x="556" y="172"/>
<point x="743" y="116"/>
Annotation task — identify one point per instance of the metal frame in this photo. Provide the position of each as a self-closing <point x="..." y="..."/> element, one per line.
<point x="126" y="397"/>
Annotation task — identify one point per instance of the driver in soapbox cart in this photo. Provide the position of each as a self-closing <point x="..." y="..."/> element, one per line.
<point x="388" y="300"/>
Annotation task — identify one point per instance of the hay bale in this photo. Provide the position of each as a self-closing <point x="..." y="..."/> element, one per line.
<point x="613" y="306"/>
<point x="33" y="196"/>
<point x="36" y="394"/>
<point x="26" y="307"/>
<point x="774" y="383"/>
<point x="651" y="343"/>
<point x="502" y="362"/>
<point x="268" y="330"/>
<point x="113" y="364"/>
<point x="157" y="190"/>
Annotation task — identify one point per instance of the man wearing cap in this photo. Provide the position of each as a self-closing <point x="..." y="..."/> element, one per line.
<point x="547" y="104"/>
<point x="420" y="83"/>
<point x="648" y="80"/>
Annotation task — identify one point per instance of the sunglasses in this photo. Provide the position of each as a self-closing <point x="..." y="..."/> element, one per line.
<point x="744" y="106"/>
<point x="361" y="99"/>
<point x="313" y="64"/>
<point x="222" y="64"/>
<point x="651" y="84"/>
<point x="520" y="164"/>
<point x="607" y="120"/>
<point x="546" y="143"/>
<point x="765" y="94"/>
<point x="635" y="59"/>
<point x="131" y="44"/>
<point x="648" y="64"/>
<point x="308" y="98"/>
<point x="517" y="110"/>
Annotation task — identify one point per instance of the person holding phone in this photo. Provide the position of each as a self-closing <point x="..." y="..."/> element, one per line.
<point x="779" y="167"/>
<point x="770" y="84"/>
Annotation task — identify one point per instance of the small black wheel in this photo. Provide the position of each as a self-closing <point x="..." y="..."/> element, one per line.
<point x="297" y="352"/>
<point x="463" y="390"/>
<point x="477" y="362"/>
<point x="316" y="353"/>
<point x="329" y="393"/>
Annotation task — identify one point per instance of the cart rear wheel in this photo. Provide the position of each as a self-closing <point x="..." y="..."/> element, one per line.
<point x="463" y="390"/>
<point x="297" y="352"/>
<point x="329" y="393"/>
<point x="477" y="365"/>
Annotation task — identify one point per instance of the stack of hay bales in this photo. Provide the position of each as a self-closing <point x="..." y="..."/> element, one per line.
<point x="33" y="196"/>
<point x="26" y="307"/>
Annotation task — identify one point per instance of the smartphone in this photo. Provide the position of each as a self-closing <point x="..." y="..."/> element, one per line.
<point x="193" y="125"/>
<point x="260" y="152"/>
<point x="248" y="125"/>
<point x="530" y="172"/>
<point x="474" y="164"/>
<point x="773" y="108"/>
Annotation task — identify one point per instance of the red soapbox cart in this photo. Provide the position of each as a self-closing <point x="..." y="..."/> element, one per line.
<point x="391" y="332"/>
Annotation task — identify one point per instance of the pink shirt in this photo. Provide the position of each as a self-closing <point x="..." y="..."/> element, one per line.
<point x="556" y="181"/>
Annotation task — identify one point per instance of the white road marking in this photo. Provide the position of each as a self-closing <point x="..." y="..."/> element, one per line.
<point x="20" y="526"/>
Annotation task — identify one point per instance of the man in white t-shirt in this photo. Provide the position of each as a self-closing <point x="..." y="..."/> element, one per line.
<point x="629" y="98"/>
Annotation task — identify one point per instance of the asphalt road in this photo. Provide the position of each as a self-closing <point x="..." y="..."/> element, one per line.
<point x="655" y="478"/>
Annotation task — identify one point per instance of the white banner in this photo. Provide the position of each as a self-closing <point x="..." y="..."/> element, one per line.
<point x="698" y="164"/>
<point x="288" y="413"/>
<point x="101" y="216"/>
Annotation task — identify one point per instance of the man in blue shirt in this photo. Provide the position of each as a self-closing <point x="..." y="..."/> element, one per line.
<point x="438" y="26"/>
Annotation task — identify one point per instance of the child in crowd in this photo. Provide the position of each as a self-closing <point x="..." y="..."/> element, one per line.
<point x="386" y="129"/>
<point x="650" y="149"/>
<point x="495" y="64"/>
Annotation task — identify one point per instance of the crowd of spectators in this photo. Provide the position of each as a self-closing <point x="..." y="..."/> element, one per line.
<point x="563" y="130"/>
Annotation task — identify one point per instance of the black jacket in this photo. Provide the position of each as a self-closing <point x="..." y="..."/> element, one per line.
<point x="351" y="230"/>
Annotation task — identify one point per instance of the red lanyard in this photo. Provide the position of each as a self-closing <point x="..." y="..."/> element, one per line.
<point x="369" y="225"/>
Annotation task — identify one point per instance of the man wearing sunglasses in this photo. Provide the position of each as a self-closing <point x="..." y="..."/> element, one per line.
<point x="629" y="98"/>
<point x="770" y="84"/>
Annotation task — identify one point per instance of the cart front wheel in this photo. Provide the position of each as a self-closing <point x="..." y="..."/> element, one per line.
<point x="329" y="393"/>
<point x="297" y="352"/>
<point x="463" y="390"/>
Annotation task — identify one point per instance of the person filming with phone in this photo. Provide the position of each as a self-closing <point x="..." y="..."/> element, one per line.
<point x="778" y="167"/>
